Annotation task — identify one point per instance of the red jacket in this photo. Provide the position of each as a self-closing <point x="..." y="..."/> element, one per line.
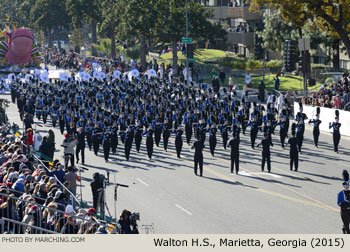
<point x="30" y="138"/>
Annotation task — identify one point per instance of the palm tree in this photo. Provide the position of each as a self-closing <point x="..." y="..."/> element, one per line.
<point x="104" y="46"/>
<point x="133" y="53"/>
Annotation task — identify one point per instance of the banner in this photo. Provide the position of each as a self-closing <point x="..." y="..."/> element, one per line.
<point x="189" y="242"/>
<point x="327" y="115"/>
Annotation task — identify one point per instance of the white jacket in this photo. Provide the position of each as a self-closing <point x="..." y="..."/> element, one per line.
<point x="38" y="139"/>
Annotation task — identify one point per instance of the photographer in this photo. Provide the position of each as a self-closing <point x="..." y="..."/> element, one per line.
<point x="72" y="178"/>
<point x="128" y="223"/>
<point x="95" y="186"/>
<point x="68" y="144"/>
<point x="80" y="145"/>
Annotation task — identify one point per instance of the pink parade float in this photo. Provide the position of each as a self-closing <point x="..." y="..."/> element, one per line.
<point x="17" y="48"/>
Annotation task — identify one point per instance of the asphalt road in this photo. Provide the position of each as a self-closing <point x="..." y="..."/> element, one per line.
<point x="167" y="193"/>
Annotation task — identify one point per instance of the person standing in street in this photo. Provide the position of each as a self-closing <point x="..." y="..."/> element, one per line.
<point x="188" y="121"/>
<point x="266" y="154"/>
<point x="336" y="131"/>
<point x="316" y="131"/>
<point x="96" y="134"/>
<point x="80" y="145"/>
<point x="254" y="128"/>
<point x="178" y="141"/>
<point x="149" y="141"/>
<point x="212" y="138"/>
<point x="283" y="130"/>
<point x="198" y="155"/>
<point x="68" y="145"/>
<point x="129" y="138"/>
<point x="138" y="136"/>
<point x="234" y="143"/>
<point x="344" y="203"/>
<point x="300" y="133"/>
<point x="293" y="152"/>
<point x="114" y="133"/>
<point x="106" y="143"/>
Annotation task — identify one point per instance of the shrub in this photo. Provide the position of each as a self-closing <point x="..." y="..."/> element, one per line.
<point x="274" y="64"/>
<point x="319" y="66"/>
<point x="254" y="64"/>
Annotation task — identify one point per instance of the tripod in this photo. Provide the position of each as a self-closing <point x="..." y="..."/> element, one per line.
<point x="81" y="188"/>
<point x="116" y="197"/>
<point x="102" y="201"/>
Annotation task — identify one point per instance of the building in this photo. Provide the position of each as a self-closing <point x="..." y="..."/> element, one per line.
<point x="239" y="22"/>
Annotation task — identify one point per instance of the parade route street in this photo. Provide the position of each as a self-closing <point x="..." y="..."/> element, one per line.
<point x="167" y="193"/>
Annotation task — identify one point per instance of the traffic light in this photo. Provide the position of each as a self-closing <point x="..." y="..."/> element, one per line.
<point x="189" y="51"/>
<point x="290" y="55"/>
<point x="300" y="63"/>
<point x="305" y="62"/>
<point x="258" y="51"/>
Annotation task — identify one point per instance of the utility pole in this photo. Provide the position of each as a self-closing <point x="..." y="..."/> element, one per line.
<point x="301" y="55"/>
<point x="264" y="66"/>
<point x="187" y="74"/>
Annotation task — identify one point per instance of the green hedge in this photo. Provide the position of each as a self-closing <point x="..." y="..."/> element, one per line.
<point x="254" y="65"/>
<point x="319" y="66"/>
<point x="274" y="64"/>
<point x="237" y="63"/>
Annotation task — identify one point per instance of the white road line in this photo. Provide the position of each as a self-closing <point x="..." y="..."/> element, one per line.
<point x="251" y="174"/>
<point x="183" y="209"/>
<point x="143" y="182"/>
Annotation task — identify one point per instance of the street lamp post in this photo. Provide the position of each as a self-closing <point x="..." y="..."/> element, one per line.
<point x="187" y="74"/>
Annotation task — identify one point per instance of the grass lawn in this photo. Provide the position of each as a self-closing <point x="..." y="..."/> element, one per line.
<point x="287" y="82"/>
<point x="201" y="55"/>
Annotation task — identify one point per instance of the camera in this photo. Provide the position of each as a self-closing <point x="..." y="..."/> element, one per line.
<point x="4" y="102"/>
<point x="15" y="127"/>
<point x="133" y="218"/>
<point x="102" y="179"/>
<point x="71" y="138"/>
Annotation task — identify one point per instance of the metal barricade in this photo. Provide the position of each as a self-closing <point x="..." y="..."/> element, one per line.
<point x="15" y="212"/>
<point x="2" y="223"/>
<point x="12" y="225"/>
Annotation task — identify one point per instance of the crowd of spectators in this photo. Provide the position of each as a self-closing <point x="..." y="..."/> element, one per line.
<point x="40" y="196"/>
<point x="334" y="96"/>
<point x="75" y="62"/>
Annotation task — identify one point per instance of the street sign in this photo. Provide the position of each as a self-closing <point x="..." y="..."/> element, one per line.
<point x="187" y="40"/>
<point x="304" y="44"/>
<point x="192" y="60"/>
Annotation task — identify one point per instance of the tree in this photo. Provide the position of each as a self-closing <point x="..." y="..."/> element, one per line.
<point x="49" y="15"/>
<point x="133" y="53"/>
<point x="17" y="11"/>
<point x="332" y="16"/>
<point x="170" y="26"/>
<point x="76" y="39"/>
<point x="138" y="19"/>
<point x="85" y="11"/>
<point x="110" y="25"/>
<point x="275" y="32"/>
